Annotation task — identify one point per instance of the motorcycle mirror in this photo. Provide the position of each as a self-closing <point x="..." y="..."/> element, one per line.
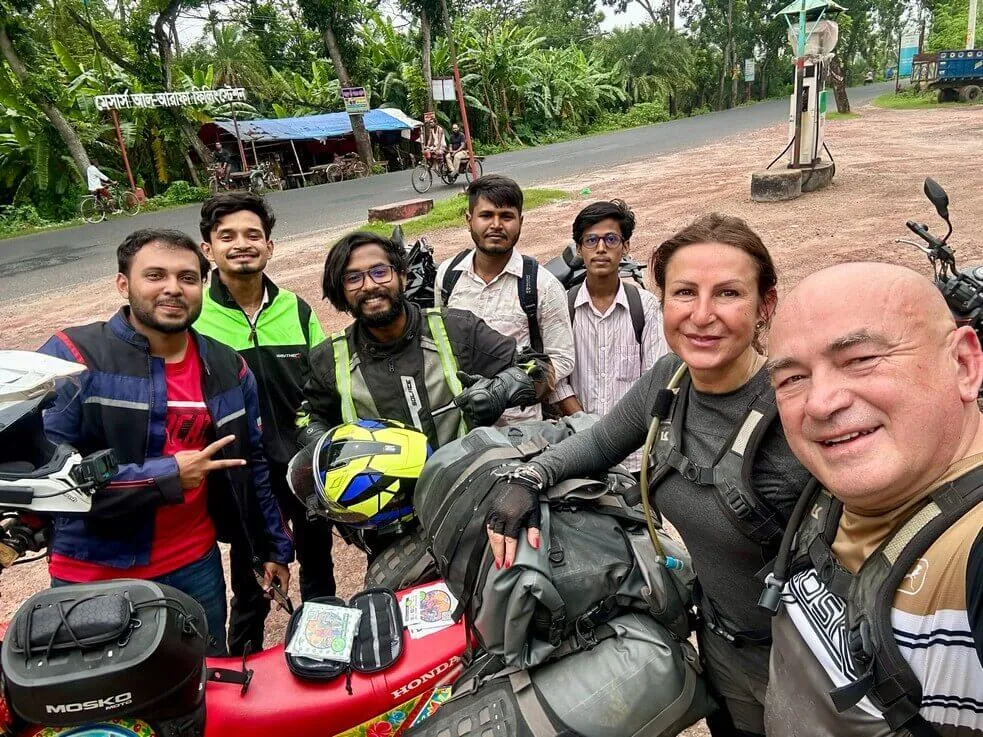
<point x="570" y="256"/>
<point x="937" y="197"/>
<point x="397" y="236"/>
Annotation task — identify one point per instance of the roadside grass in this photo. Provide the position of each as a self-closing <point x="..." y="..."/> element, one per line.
<point x="915" y="101"/>
<point x="449" y="213"/>
<point x="842" y="116"/>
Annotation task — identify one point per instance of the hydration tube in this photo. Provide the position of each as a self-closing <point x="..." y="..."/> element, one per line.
<point x="659" y="413"/>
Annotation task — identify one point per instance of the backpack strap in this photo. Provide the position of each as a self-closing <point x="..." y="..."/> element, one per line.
<point x="451" y="277"/>
<point x="888" y="679"/>
<point x="448" y="363"/>
<point x="343" y="375"/>
<point x="304" y="317"/>
<point x="637" y="314"/>
<point x="730" y="475"/>
<point x="528" y="300"/>
<point x="750" y="512"/>
<point x="572" y="300"/>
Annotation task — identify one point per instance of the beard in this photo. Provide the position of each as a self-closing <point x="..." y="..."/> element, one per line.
<point x="397" y="305"/>
<point x="496" y="247"/>
<point x="144" y="313"/>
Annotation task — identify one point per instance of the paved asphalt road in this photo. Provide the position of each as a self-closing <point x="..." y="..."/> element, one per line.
<point x="37" y="263"/>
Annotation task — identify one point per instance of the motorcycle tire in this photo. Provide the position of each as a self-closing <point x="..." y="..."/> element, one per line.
<point x="405" y="563"/>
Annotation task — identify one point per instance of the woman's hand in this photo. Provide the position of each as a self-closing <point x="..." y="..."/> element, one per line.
<point x="515" y="507"/>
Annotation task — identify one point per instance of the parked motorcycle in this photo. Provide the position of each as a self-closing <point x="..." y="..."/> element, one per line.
<point x="962" y="288"/>
<point x="68" y="673"/>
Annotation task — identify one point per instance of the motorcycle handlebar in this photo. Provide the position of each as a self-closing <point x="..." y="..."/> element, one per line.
<point x="922" y="232"/>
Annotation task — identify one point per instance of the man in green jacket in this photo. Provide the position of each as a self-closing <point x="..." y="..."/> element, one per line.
<point x="274" y="330"/>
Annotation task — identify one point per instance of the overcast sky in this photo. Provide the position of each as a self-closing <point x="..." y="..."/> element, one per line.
<point x="190" y="28"/>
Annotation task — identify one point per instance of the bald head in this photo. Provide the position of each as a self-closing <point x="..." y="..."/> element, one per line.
<point x="875" y="384"/>
<point x="884" y="289"/>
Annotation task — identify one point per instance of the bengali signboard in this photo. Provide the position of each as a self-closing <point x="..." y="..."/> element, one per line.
<point x="186" y="98"/>
<point x="356" y="101"/>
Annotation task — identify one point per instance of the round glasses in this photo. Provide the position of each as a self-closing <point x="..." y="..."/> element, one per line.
<point x="379" y="274"/>
<point x="611" y="240"/>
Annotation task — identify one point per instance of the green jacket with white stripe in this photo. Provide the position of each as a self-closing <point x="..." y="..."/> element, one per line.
<point x="277" y="350"/>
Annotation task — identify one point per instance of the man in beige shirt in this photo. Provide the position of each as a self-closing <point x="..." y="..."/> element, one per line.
<point x="511" y="292"/>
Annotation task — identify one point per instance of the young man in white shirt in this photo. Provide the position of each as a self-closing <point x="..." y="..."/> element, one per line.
<point x="509" y="291"/>
<point x="96" y="180"/>
<point x="617" y="326"/>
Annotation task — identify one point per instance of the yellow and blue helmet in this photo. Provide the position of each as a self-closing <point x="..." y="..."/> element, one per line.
<point x="361" y="474"/>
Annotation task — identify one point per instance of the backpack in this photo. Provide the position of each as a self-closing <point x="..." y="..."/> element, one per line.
<point x="635" y="310"/>
<point x="528" y="293"/>
<point x="886" y="677"/>
<point x="641" y="681"/>
<point x="730" y="475"/>
<point x="596" y="559"/>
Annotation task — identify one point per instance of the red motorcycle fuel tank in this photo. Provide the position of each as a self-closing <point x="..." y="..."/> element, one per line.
<point x="279" y="704"/>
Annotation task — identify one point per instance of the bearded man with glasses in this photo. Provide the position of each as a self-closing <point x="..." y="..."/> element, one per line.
<point x="617" y="327"/>
<point x="441" y="370"/>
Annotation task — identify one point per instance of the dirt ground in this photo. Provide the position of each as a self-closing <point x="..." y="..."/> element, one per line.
<point x="881" y="157"/>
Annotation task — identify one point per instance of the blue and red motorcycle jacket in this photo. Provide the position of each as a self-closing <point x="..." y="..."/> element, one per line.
<point x="122" y="404"/>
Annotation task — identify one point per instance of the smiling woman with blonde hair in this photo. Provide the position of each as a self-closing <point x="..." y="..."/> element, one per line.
<point x="718" y="292"/>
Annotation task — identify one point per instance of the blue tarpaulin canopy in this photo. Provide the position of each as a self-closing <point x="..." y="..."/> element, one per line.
<point x="329" y="125"/>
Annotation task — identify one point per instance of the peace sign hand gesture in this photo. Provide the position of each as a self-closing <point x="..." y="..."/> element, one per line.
<point x="194" y="465"/>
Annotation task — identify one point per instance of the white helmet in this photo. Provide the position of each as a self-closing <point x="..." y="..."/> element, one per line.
<point x="36" y="474"/>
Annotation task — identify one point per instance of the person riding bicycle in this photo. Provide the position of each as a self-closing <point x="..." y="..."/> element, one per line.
<point x="97" y="182"/>
<point x="457" y="151"/>
<point x="434" y="141"/>
<point x="223" y="163"/>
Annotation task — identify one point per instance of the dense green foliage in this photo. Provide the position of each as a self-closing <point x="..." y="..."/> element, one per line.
<point x="534" y="71"/>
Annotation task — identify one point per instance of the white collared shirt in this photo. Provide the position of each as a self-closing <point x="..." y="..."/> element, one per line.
<point x="608" y="358"/>
<point x="497" y="303"/>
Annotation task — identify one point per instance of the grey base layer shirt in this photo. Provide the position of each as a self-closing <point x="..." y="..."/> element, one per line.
<point x="724" y="560"/>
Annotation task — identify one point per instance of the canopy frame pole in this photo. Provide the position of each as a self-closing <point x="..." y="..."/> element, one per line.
<point x="300" y="166"/>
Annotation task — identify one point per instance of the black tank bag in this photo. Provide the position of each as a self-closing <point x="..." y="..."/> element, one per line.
<point x="92" y="652"/>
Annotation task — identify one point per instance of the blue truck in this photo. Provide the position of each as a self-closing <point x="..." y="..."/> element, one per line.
<point x="956" y="74"/>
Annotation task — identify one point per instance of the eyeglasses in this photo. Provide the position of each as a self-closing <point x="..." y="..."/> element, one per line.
<point x="379" y="274"/>
<point x="610" y="240"/>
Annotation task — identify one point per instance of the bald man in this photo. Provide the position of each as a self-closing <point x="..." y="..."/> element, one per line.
<point x="880" y="627"/>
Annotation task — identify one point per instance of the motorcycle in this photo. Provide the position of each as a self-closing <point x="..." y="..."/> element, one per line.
<point x="254" y="696"/>
<point x="962" y="288"/>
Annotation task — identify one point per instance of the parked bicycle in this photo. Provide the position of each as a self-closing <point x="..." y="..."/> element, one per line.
<point x="422" y="175"/>
<point x="94" y="209"/>
<point x="263" y="178"/>
<point x="348" y="166"/>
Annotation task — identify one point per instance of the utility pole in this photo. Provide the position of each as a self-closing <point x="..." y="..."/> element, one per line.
<point x="459" y="90"/>
<point x="971" y="29"/>
<point x="105" y="86"/>
<point x="897" y="69"/>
